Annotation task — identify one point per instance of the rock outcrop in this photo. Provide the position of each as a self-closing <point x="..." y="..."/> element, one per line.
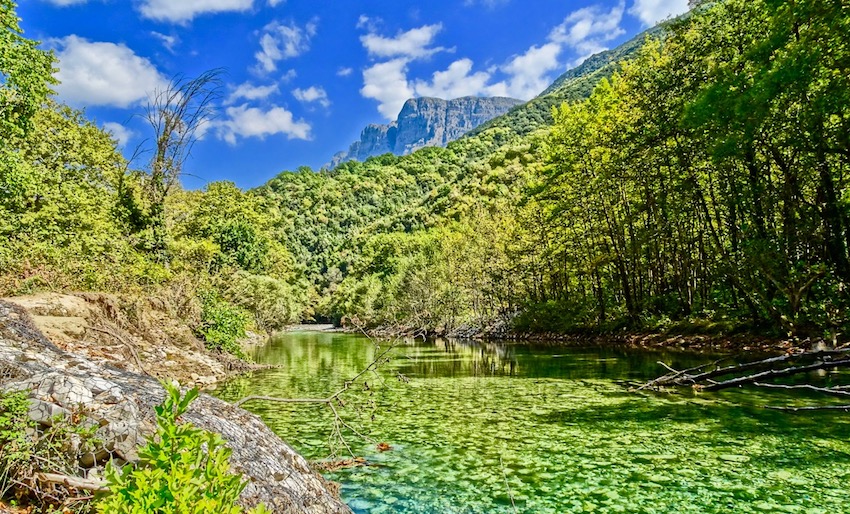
<point x="145" y="335"/>
<point x="120" y="403"/>
<point x="425" y="122"/>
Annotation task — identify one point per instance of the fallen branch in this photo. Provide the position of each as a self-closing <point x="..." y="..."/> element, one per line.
<point x="738" y="368"/>
<point x="121" y="340"/>
<point x="811" y="408"/>
<point x="775" y="373"/>
<point x="74" y="482"/>
<point x="837" y="391"/>
<point x="331" y="401"/>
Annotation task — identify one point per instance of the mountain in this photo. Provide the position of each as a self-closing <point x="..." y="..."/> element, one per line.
<point x="425" y="122"/>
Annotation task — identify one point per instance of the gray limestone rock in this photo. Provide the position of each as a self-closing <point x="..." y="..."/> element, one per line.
<point x="120" y="404"/>
<point x="425" y="122"/>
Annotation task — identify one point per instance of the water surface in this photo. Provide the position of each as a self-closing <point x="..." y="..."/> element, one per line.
<point x="487" y="428"/>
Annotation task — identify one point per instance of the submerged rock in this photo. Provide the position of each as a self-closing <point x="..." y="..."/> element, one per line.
<point x="120" y="404"/>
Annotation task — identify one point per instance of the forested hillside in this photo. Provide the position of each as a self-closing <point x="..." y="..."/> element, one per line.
<point x="694" y="176"/>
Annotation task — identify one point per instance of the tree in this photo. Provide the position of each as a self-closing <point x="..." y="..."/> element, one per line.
<point x="26" y="74"/>
<point x="177" y="114"/>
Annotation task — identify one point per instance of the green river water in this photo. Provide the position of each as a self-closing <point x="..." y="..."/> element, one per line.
<point x="535" y="428"/>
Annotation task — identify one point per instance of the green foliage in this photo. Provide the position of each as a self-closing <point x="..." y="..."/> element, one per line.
<point x="30" y="448"/>
<point x="18" y="448"/>
<point x="26" y="74"/>
<point x="182" y="469"/>
<point x="274" y="303"/>
<point x="222" y="324"/>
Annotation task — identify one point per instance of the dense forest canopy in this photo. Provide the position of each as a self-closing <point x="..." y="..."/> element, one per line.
<point x="696" y="175"/>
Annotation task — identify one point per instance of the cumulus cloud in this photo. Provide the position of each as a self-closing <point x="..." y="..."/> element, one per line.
<point x="651" y="12"/>
<point x="344" y="72"/>
<point x="184" y="11"/>
<point x="98" y="73"/>
<point x="247" y="91"/>
<point x="586" y="30"/>
<point x="529" y="73"/>
<point x="387" y="83"/>
<point x="275" y="3"/>
<point x="456" y="81"/>
<point x="312" y="94"/>
<point x="244" y="122"/>
<point x="523" y="76"/>
<point x="414" y="44"/>
<point x="282" y="41"/>
<point x="119" y="132"/>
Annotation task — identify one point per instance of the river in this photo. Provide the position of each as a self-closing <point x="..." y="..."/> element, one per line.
<point x="537" y="428"/>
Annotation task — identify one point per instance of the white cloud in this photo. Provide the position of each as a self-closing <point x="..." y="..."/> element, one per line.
<point x="651" y="12"/>
<point x="414" y="43"/>
<point x="529" y="73"/>
<point x="183" y="11"/>
<point x="344" y="72"/>
<point x="312" y="94"/>
<point x="368" y="23"/>
<point x="65" y="3"/>
<point x="490" y="4"/>
<point x="98" y="73"/>
<point x="456" y="81"/>
<point x="522" y="76"/>
<point x="386" y="82"/>
<point x="248" y="91"/>
<point x="280" y="42"/>
<point x="586" y="30"/>
<point x="275" y="3"/>
<point x="243" y="121"/>
<point x="169" y="42"/>
<point x="119" y="132"/>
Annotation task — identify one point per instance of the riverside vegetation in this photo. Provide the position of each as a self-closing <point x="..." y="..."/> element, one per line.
<point x="702" y="182"/>
<point x="697" y="177"/>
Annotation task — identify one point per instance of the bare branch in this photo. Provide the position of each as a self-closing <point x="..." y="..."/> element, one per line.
<point x="826" y="390"/>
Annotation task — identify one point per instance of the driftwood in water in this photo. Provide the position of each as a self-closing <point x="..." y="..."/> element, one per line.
<point x="714" y="377"/>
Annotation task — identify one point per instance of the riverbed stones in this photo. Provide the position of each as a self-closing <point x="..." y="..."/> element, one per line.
<point x="120" y="405"/>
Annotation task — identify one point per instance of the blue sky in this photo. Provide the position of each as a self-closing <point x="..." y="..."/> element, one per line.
<point x="303" y="77"/>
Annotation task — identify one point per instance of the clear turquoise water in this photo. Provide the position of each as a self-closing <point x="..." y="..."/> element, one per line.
<point x="484" y="428"/>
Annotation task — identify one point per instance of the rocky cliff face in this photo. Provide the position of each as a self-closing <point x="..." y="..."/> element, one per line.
<point x="425" y="122"/>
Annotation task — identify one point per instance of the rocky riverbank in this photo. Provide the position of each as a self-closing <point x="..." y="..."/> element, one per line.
<point x="143" y="335"/>
<point x="112" y="381"/>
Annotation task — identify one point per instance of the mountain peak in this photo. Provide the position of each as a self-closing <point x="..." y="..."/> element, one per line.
<point x="425" y="121"/>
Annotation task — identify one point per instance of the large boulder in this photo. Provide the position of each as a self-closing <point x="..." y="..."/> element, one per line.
<point x="120" y="403"/>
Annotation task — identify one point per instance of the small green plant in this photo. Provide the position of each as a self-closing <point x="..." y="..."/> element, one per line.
<point x="18" y="446"/>
<point x="222" y="324"/>
<point x="182" y="470"/>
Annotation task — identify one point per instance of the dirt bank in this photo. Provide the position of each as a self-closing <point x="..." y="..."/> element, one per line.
<point x="143" y="335"/>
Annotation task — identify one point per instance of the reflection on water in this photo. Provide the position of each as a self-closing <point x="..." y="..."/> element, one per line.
<point x="482" y="428"/>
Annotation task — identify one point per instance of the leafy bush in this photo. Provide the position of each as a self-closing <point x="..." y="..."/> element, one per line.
<point x="274" y="303"/>
<point x="17" y="446"/>
<point x="182" y="470"/>
<point x="222" y="324"/>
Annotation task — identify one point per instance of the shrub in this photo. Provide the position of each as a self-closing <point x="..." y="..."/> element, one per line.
<point x="17" y="446"/>
<point x="222" y="324"/>
<point x="182" y="470"/>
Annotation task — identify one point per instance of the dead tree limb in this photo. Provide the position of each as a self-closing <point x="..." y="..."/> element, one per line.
<point x="775" y="373"/>
<point x="760" y="373"/>
<point x="333" y="400"/>
<point x="837" y="391"/>
<point x="130" y="346"/>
